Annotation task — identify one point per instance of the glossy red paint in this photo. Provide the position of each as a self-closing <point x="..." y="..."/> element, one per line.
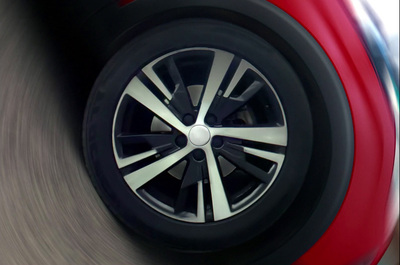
<point x="362" y="229"/>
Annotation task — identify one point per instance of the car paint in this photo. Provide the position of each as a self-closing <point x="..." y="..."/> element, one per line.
<point x="364" y="225"/>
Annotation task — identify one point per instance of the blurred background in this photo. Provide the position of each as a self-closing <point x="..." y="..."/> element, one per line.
<point x="49" y="211"/>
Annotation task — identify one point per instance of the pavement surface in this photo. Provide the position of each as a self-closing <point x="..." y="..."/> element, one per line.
<point x="49" y="210"/>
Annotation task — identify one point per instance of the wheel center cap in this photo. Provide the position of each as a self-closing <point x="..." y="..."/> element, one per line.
<point x="199" y="135"/>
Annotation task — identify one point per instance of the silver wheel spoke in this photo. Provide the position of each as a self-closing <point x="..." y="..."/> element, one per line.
<point x="221" y="63"/>
<point x="220" y="205"/>
<point x="137" y="90"/>
<point x="242" y="68"/>
<point x="140" y="177"/>
<point x="123" y="162"/>
<point x="149" y="72"/>
<point x="275" y="157"/>
<point x="268" y="135"/>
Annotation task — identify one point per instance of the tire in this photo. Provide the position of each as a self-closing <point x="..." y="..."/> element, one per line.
<point x="189" y="152"/>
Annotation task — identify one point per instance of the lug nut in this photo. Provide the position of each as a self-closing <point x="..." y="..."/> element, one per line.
<point x="188" y="120"/>
<point x="198" y="155"/>
<point x="181" y="141"/>
<point x="217" y="142"/>
<point x="211" y="119"/>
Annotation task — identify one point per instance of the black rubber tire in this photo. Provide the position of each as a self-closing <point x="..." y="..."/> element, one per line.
<point x="307" y="121"/>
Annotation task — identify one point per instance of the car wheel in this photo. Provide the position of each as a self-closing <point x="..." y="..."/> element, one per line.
<point x="204" y="136"/>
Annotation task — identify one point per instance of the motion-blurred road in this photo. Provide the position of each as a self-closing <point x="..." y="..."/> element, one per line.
<point x="49" y="211"/>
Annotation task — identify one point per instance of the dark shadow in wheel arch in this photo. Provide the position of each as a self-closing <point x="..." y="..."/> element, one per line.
<point x="111" y="27"/>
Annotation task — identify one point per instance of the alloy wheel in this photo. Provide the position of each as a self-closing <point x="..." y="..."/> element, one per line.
<point x="199" y="135"/>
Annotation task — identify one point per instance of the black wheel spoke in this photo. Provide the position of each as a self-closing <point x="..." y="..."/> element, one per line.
<point x="180" y="97"/>
<point x="237" y="156"/>
<point x="180" y="203"/>
<point x="155" y="140"/>
<point x="155" y="143"/>
<point x="138" y="91"/>
<point x="138" y="178"/>
<point x="195" y="171"/>
<point x="225" y="106"/>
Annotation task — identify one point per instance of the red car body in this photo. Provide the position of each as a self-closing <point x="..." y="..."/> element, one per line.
<point x="363" y="228"/>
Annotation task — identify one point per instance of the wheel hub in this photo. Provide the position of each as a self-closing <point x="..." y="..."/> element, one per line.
<point x="199" y="135"/>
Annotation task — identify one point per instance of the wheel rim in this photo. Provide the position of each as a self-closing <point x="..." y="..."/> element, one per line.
<point x="199" y="135"/>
